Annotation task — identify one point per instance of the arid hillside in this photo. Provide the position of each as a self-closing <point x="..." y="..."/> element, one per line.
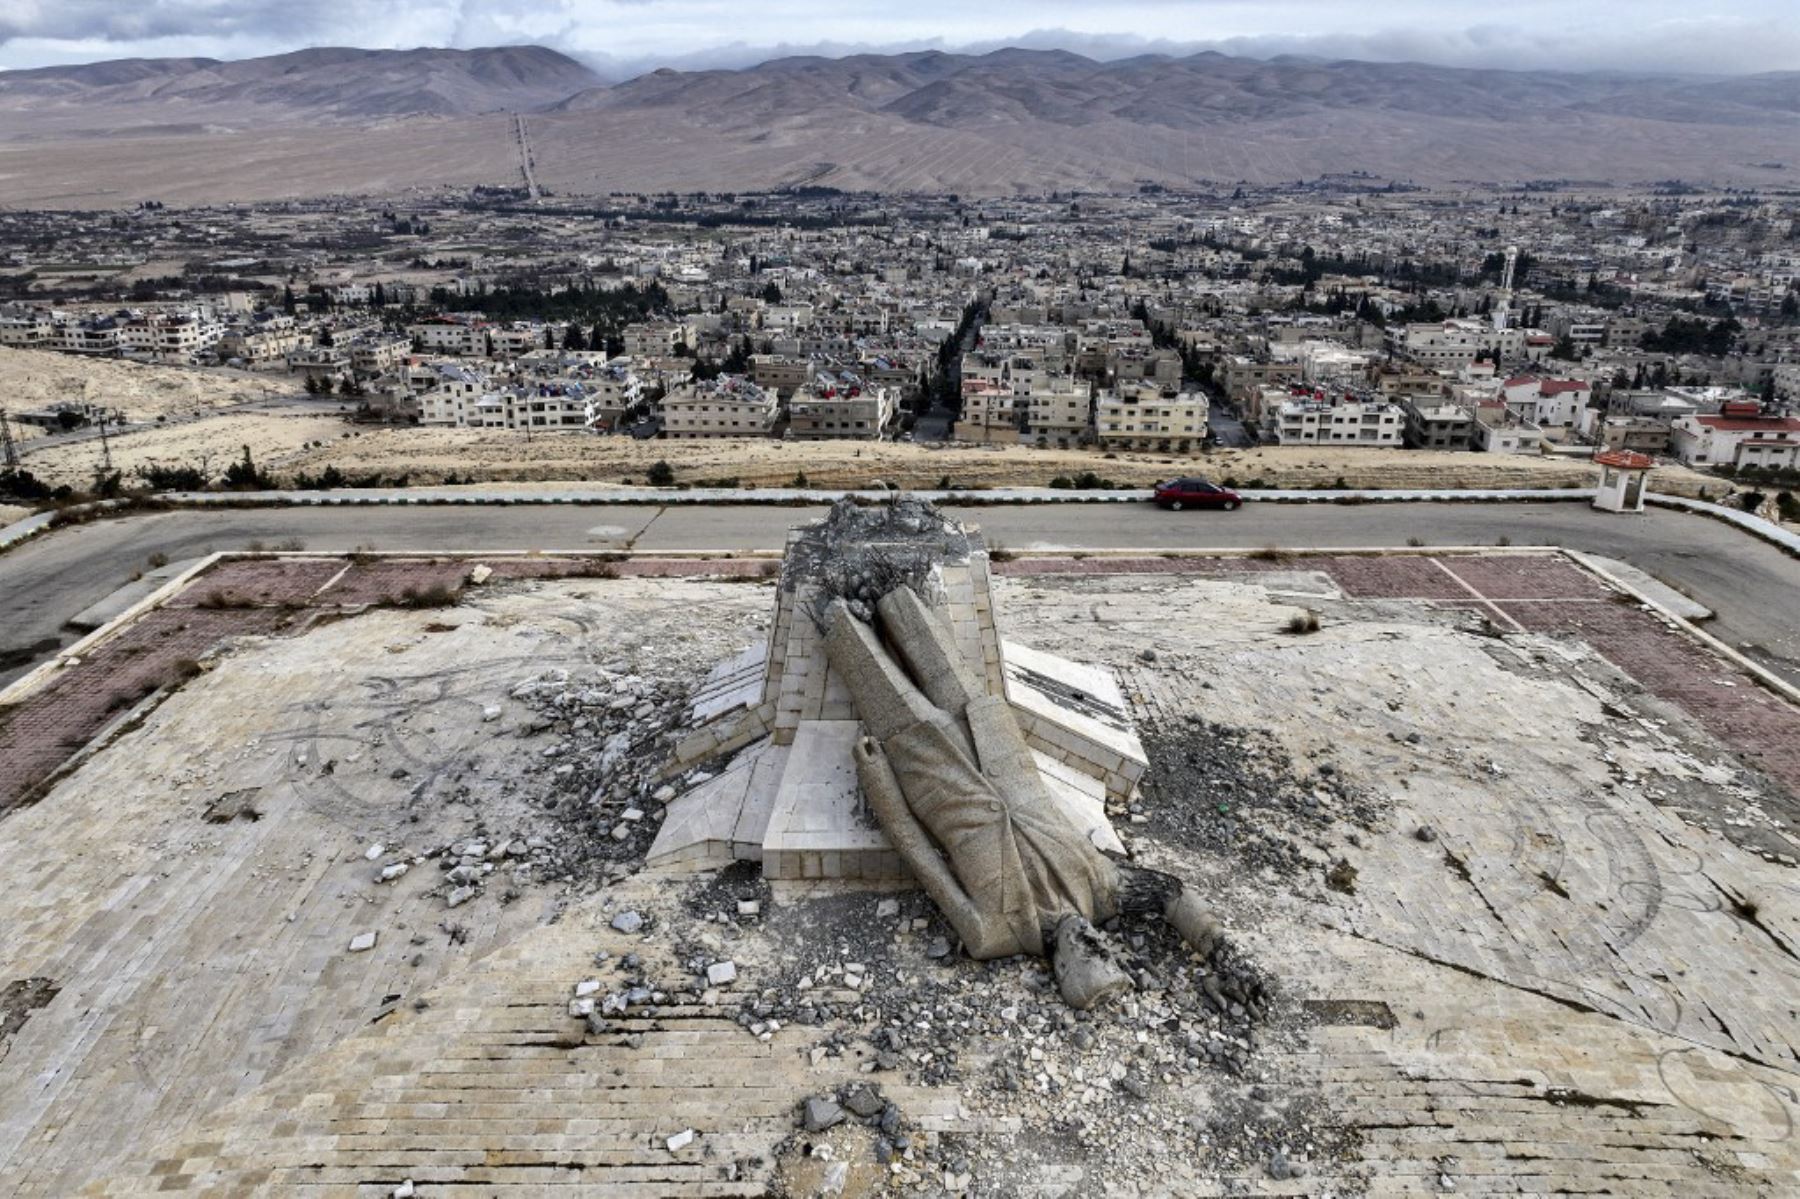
<point x="324" y="121"/>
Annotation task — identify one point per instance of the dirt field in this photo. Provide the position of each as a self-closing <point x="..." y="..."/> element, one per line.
<point x="12" y="512"/>
<point x="212" y="441"/>
<point x="499" y="456"/>
<point x="31" y="379"/>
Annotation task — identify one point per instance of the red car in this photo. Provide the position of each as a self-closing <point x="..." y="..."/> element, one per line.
<point x="1195" y="493"/>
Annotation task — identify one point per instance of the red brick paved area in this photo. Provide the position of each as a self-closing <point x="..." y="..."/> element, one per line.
<point x="1540" y="593"/>
<point x="1727" y="702"/>
<point x="40" y="733"/>
<point x="389" y="580"/>
<point x="248" y="596"/>
<point x="1526" y="577"/>
<point x="248" y="582"/>
<point x="634" y="568"/>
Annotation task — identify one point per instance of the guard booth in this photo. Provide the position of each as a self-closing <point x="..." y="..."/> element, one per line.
<point x="1624" y="475"/>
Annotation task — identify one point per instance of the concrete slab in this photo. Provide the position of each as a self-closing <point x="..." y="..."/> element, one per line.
<point x="700" y="823"/>
<point x="1650" y="585"/>
<point x="1082" y="798"/>
<point x="121" y="601"/>
<point x="1074" y="711"/>
<point x="735" y="683"/>
<point x="819" y="827"/>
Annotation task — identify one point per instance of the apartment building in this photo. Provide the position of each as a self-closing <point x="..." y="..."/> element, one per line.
<point x="466" y="403"/>
<point x="1550" y="403"/>
<point x="1741" y="435"/>
<point x="1500" y="429"/>
<point x="781" y="373"/>
<point x="1244" y="376"/>
<point x="452" y="397"/>
<point x="378" y="353"/>
<point x="1059" y="412"/>
<point x="1142" y="418"/>
<point x="267" y="337"/>
<point x="1434" y="423"/>
<point x="97" y="335"/>
<point x="1453" y="344"/>
<point x="441" y="335"/>
<point x="850" y="322"/>
<point x="27" y="329"/>
<point x="841" y="406"/>
<point x="728" y="406"/>
<point x="990" y="413"/>
<point x="1311" y="421"/>
<point x="657" y="339"/>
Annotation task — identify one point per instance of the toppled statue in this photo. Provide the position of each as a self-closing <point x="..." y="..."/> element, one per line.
<point x="951" y="781"/>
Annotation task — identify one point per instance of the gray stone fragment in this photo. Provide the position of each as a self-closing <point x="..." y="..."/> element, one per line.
<point x="863" y="1102"/>
<point x="821" y="1112"/>
<point x="628" y="922"/>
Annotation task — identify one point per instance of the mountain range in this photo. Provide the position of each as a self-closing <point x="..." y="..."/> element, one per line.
<point x="1008" y="121"/>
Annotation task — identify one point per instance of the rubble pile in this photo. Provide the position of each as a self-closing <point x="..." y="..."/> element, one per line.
<point x="1233" y="793"/>
<point x="883" y="979"/>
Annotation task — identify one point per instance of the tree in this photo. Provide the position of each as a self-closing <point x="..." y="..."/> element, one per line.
<point x="660" y="474"/>
<point x="549" y="338"/>
<point x="287" y="300"/>
<point x="572" y="338"/>
<point x="380" y="298"/>
<point x="771" y="294"/>
<point x="325" y="340"/>
<point x="312" y="386"/>
<point x="244" y="474"/>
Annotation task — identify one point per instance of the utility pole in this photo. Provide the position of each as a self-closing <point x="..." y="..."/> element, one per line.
<point x="8" y="450"/>
<point x="105" y="447"/>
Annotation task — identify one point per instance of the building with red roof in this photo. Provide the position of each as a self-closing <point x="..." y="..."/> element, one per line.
<point x="1742" y="434"/>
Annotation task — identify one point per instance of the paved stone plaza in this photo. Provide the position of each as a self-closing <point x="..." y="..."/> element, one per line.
<point x="1515" y="855"/>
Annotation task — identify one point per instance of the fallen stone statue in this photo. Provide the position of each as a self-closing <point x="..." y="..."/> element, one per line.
<point x="951" y="781"/>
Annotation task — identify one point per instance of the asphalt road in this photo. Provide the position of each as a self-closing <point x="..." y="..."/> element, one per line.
<point x="1753" y="587"/>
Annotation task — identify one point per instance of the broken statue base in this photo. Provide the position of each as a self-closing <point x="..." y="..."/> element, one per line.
<point x="781" y="720"/>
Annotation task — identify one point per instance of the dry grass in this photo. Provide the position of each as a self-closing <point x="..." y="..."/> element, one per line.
<point x="1301" y="623"/>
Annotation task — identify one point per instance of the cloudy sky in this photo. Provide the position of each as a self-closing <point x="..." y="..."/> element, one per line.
<point x="624" y="37"/>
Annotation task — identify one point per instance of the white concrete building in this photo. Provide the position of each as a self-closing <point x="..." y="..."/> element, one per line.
<point x="728" y="406"/>
<point x="1548" y="403"/>
<point x="841" y="406"/>
<point x="1741" y="435"/>
<point x="1499" y="429"/>
<point x="1142" y="418"/>
<point x="443" y="335"/>
<point x="1352" y="422"/>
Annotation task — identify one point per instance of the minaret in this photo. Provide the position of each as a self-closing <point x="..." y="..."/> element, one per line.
<point x="1503" y="309"/>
